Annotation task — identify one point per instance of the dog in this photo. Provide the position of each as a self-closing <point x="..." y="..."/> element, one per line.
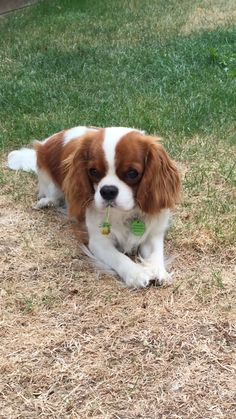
<point x="121" y="182"/>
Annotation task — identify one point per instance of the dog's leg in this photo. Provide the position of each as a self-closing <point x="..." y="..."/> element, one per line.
<point x="48" y="193"/>
<point x="133" y="274"/>
<point x="153" y="255"/>
<point x="152" y="250"/>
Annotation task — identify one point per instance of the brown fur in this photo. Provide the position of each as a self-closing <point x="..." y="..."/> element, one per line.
<point x="77" y="186"/>
<point x="159" y="186"/>
<point x="130" y="153"/>
<point x="49" y="156"/>
<point x="52" y="153"/>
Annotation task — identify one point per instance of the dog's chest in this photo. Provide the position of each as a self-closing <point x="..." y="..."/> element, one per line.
<point x="123" y="235"/>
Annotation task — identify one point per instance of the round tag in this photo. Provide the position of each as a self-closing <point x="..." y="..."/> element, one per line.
<point x="105" y="228"/>
<point x="137" y="227"/>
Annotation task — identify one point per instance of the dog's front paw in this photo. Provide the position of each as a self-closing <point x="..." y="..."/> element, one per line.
<point x="161" y="276"/>
<point x="139" y="277"/>
<point x="42" y="203"/>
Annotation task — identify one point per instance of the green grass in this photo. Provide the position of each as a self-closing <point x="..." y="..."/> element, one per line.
<point x="68" y="63"/>
<point x="129" y="63"/>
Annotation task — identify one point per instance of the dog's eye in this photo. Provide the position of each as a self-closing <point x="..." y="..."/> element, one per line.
<point x="132" y="174"/>
<point x="94" y="173"/>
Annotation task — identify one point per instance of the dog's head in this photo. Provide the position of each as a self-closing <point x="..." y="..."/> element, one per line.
<point x="122" y="168"/>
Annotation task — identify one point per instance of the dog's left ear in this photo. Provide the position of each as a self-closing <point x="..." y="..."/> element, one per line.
<point x="160" y="185"/>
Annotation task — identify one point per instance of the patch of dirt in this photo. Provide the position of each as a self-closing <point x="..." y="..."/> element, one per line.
<point x="74" y="345"/>
<point x="7" y="6"/>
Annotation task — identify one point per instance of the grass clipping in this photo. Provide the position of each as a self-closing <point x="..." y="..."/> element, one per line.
<point x="78" y="346"/>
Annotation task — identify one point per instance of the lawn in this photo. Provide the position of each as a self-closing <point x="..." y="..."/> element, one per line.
<point x="76" y="346"/>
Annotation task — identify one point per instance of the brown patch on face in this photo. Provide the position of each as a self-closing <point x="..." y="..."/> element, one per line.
<point x="143" y="163"/>
<point x="78" y="183"/>
<point x="130" y="155"/>
<point x="96" y="163"/>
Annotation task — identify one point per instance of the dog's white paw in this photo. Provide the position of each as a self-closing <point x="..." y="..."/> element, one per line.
<point x="43" y="203"/>
<point x="161" y="276"/>
<point x="139" y="277"/>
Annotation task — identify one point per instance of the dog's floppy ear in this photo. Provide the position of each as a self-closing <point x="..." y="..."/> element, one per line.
<point x="160" y="185"/>
<point x="77" y="187"/>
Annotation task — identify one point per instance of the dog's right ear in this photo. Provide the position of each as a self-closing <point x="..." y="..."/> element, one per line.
<point x="77" y="186"/>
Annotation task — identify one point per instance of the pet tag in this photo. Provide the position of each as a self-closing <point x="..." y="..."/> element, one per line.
<point x="105" y="227"/>
<point x="137" y="227"/>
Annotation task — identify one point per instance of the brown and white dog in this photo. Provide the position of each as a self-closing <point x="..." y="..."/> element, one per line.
<point x="117" y="177"/>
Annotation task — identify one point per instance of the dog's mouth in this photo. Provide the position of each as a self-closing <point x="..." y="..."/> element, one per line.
<point x="111" y="204"/>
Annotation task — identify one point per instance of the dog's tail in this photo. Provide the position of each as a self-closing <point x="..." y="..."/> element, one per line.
<point x="23" y="159"/>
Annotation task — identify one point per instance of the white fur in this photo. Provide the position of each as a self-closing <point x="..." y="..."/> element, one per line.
<point x="111" y="139"/>
<point x="124" y="199"/>
<point x="72" y="133"/>
<point x="111" y="249"/>
<point x="23" y="159"/>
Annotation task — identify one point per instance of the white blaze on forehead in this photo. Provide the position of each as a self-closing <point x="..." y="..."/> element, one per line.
<point x="125" y="199"/>
<point x="72" y="133"/>
<point x="111" y="138"/>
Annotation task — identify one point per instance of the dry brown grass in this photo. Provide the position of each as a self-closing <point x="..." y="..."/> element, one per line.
<point x="76" y="346"/>
<point x="209" y="14"/>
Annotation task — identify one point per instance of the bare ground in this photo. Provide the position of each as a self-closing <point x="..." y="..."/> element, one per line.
<point x="75" y="345"/>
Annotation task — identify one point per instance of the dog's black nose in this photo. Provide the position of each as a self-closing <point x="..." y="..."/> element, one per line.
<point x="109" y="192"/>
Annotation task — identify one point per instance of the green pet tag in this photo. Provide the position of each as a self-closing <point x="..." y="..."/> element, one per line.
<point x="137" y="227"/>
